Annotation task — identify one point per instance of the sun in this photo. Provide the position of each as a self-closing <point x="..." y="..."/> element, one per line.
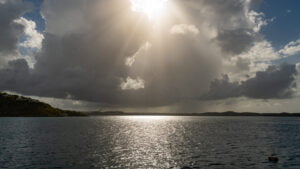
<point x="153" y="9"/>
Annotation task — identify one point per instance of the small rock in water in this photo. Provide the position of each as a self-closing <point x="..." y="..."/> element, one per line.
<point x="273" y="158"/>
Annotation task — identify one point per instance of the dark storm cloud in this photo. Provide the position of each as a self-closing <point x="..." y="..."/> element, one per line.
<point x="275" y="82"/>
<point x="278" y="81"/>
<point x="10" y="31"/>
<point x="15" y="75"/>
<point x="235" y="41"/>
<point x="222" y="89"/>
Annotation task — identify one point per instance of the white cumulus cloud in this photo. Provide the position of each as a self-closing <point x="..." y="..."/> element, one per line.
<point x="291" y="48"/>
<point x="132" y="84"/>
<point x="33" y="37"/>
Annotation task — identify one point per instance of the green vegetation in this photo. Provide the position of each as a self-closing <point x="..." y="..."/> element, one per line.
<point x="19" y="106"/>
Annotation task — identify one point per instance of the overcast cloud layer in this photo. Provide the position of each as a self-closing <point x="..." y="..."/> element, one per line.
<point x="101" y="51"/>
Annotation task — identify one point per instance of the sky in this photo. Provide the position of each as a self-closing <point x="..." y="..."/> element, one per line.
<point x="153" y="55"/>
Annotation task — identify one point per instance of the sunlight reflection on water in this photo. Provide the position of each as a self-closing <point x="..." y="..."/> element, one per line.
<point x="156" y="142"/>
<point x="150" y="118"/>
<point x="147" y="141"/>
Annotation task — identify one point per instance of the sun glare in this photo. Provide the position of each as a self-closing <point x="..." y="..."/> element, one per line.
<point x="149" y="118"/>
<point x="153" y="9"/>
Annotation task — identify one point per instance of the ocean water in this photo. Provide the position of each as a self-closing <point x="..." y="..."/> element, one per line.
<point x="149" y="142"/>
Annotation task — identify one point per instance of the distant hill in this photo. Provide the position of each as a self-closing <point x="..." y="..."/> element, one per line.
<point x="19" y="106"/>
<point x="227" y="113"/>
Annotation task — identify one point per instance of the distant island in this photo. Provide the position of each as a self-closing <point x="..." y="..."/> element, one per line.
<point x="228" y="113"/>
<point x="19" y="106"/>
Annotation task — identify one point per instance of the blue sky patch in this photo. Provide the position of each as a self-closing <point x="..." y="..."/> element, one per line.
<point x="35" y="14"/>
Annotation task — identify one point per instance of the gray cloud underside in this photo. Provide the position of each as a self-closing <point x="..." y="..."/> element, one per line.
<point x="278" y="81"/>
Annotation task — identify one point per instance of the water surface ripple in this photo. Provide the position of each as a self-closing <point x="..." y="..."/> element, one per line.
<point x="149" y="142"/>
